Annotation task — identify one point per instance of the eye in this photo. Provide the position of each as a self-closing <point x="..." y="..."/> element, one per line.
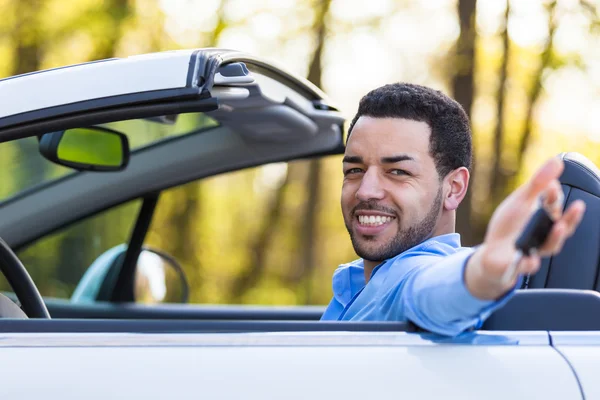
<point x="352" y="171"/>
<point x="400" y="172"/>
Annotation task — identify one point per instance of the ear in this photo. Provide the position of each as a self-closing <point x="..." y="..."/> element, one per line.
<point x="456" y="184"/>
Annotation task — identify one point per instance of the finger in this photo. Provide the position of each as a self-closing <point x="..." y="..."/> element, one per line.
<point x="550" y="171"/>
<point x="573" y="216"/>
<point x="530" y="264"/>
<point x="553" y="199"/>
<point x="555" y="240"/>
<point x="563" y="229"/>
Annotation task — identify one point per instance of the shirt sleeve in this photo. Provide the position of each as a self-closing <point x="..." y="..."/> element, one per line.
<point x="333" y="310"/>
<point x="435" y="297"/>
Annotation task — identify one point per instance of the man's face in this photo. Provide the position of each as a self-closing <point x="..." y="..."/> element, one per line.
<point x="392" y="194"/>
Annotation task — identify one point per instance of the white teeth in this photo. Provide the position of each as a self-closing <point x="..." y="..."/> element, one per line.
<point x="372" y="220"/>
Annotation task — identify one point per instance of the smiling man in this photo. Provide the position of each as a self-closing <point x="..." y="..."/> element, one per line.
<point x="406" y="171"/>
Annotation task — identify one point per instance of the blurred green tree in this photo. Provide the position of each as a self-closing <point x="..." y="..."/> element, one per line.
<point x="247" y="237"/>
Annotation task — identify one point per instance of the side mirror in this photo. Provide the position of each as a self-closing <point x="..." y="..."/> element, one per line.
<point x="158" y="278"/>
<point x="86" y="149"/>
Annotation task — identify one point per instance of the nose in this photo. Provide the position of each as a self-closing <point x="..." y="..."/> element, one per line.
<point x="371" y="187"/>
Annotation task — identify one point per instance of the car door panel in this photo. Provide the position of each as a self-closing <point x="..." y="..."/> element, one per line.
<point x="60" y="308"/>
<point x="285" y="365"/>
<point x="582" y="351"/>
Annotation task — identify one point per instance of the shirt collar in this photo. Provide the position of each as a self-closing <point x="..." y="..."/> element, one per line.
<point x="349" y="278"/>
<point x="450" y="239"/>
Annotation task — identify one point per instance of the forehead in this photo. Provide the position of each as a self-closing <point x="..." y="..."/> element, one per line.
<point x="385" y="136"/>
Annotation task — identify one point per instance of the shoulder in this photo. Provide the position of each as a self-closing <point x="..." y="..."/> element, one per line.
<point x="431" y="251"/>
<point x="347" y="279"/>
<point x="352" y="266"/>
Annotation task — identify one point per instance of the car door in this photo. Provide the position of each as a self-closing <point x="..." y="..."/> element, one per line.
<point x="292" y="365"/>
<point x="258" y="114"/>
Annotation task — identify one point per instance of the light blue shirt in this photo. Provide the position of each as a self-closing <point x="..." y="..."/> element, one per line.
<point x="424" y="284"/>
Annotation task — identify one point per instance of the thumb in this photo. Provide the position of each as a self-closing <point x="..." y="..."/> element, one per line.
<point x="543" y="177"/>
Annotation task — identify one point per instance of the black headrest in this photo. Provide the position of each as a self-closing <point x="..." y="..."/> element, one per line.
<point x="580" y="173"/>
<point x="577" y="265"/>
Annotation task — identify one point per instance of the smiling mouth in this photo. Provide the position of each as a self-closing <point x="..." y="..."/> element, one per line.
<point x="373" y="220"/>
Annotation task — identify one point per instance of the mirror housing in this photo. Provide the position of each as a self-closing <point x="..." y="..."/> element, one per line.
<point x="86" y="149"/>
<point x="158" y="278"/>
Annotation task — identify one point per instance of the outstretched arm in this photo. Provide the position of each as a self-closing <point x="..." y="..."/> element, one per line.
<point x="460" y="291"/>
<point x="486" y="268"/>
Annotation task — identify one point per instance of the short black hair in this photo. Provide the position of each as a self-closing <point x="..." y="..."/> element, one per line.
<point x="450" y="143"/>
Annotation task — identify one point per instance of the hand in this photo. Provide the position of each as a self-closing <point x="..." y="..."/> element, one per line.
<point x="484" y="272"/>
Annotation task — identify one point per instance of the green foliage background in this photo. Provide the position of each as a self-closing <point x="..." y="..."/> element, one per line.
<point x="274" y="235"/>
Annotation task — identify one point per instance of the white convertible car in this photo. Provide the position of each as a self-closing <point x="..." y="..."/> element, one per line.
<point x="217" y="111"/>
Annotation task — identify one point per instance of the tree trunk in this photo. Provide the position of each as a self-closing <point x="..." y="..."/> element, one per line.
<point x="463" y="92"/>
<point x="536" y="87"/>
<point x="119" y="11"/>
<point x="313" y="183"/>
<point x="507" y="176"/>
<point x="251" y="275"/>
<point x="309" y="229"/>
<point x="498" y="176"/>
<point x="27" y="40"/>
<point x="185" y="214"/>
<point x="186" y="217"/>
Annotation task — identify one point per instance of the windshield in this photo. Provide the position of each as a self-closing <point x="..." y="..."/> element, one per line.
<point x="22" y="167"/>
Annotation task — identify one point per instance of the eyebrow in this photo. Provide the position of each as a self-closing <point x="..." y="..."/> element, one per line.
<point x="353" y="159"/>
<point x="395" y="159"/>
<point x="384" y="160"/>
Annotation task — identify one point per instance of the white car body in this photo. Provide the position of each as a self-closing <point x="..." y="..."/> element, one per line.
<point x="293" y="366"/>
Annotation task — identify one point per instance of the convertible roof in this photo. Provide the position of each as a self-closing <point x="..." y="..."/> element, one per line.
<point x="264" y="115"/>
<point x="96" y="80"/>
<point x="180" y="75"/>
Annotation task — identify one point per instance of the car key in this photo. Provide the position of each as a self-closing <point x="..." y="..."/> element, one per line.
<point x="534" y="235"/>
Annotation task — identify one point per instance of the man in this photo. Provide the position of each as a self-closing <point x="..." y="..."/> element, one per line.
<point x="406" y="170"/>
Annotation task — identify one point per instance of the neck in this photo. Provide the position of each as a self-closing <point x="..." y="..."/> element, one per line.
<point x="369" y="267"/>
<point x="446" y="224"/>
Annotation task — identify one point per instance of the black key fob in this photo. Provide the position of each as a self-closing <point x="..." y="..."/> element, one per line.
<point x="536" y="232"/>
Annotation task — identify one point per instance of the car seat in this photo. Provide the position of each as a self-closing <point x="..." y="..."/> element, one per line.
<point x="577" y="265"/>
<point x="9" y="309"/>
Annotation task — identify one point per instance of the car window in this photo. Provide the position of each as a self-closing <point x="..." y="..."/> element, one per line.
<point x="210" y="229"/>
<point x="57" y="262"/>
<point x="238" y="236"/>
<point x="22" y="167"/>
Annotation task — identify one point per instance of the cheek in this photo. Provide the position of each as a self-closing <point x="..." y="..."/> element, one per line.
<point x="348" y="195"/>
<point x="410" y="201"/>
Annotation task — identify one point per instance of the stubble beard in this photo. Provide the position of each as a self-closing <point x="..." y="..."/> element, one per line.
<point x="404" y="239"/>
